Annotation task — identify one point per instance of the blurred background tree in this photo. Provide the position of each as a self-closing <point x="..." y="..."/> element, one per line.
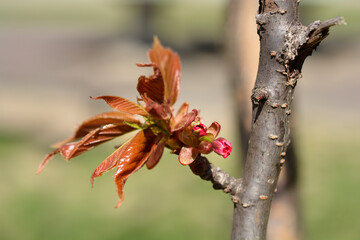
<point x="56" y="53"/>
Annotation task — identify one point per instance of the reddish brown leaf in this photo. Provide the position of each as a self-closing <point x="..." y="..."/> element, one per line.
<point x="94" y="138"/>
<point x="185" y="121"/>
<point x="109" y="163"/>
<point x="214" y="129"/>
<point x="88" y="142"/>
<point x="104" y="119"/>
<point x="123" y="105"/>
<point x="183" y="110"/>
<point x="153" y="86"/>
<point x="156" y="110"/>
<point x="204" y="147"/>
<point x="187" y="155"/>
<point x="169" y="65"/>
<point x="99" y="120"/>
<point x="155" y="156"/>
<point x="187" y="137"/>
<point x="133" y="158"/>
<point x="46" y="160"/>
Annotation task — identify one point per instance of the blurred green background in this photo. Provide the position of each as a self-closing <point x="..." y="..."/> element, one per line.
<point x="55" y="54"/>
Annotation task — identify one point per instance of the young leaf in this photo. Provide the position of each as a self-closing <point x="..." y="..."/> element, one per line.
<point x="183" y="110"/>
<point x="94" y="138"/>
<point x="123" y="105"/>
<point x="153" y="86"/>
<point x="155" y="156"/>
<point x="46" y="160"/>
<point x="133" y="158"/>
<point x="156" y="110"/>
<point x="185" y="121"/>
<point x="169" y="64"/>
<point x="100" y="120"/>
<point x="188" y="155"/>
<point x="88" y="142"/>
<point x="214" y="129"/>
<point x="109" y="163"/>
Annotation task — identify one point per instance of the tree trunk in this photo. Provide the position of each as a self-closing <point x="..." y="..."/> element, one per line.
<point x="243" y="57"/>
<point x="284" y="45"/>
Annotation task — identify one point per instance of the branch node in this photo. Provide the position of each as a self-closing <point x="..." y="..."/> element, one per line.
<point x="260" y="94"/>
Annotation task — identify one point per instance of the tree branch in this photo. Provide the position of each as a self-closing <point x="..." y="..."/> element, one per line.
<point x="220" y="179"/>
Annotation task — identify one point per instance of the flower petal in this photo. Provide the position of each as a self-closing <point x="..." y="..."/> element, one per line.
<point x="222" y="147"/>
<point x="169" y="64"/>
<point x="133" y="158"/>
<point x="123" y="105"/>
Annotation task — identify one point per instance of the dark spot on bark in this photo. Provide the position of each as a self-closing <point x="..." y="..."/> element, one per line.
<point x="268" y="6"/>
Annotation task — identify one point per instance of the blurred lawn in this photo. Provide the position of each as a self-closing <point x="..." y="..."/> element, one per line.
<point x="330" y="179"/>
<point x="168" y="202"/>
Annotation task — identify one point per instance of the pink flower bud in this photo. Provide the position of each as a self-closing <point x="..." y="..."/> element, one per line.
<point x="200" y="129"/>
<point x="222" y="147"/>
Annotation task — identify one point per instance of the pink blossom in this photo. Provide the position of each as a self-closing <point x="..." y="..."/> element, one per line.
<point x="222" y="147"/>
<point x="200" y="129"/>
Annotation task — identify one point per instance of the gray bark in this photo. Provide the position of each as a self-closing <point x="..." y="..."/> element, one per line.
<point x="242" y="62"/>
<point x="284" y="45"/>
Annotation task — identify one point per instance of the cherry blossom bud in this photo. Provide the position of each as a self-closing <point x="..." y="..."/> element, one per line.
<point x="222" y="147"/>
<point x="200" y="129"/>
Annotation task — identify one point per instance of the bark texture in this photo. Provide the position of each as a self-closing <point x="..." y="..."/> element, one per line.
<point x="220" y="179"/>
<point x="242" y="62"/>
<point x="284" y="45"/>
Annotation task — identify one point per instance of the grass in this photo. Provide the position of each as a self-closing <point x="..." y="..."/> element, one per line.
<point x="330" y="181"/>
<point x="167" y="202"/>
